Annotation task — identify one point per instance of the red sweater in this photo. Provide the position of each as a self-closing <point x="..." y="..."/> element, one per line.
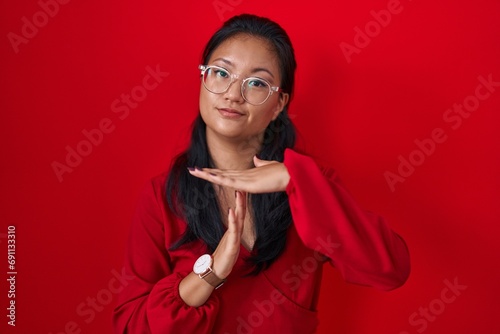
<point x="328" y="225"/>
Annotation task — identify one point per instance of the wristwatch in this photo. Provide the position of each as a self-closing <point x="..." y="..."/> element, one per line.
<point x="203" y="268"/>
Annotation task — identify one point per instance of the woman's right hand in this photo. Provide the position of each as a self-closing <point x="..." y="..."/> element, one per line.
<point x="195" y="291"/>
<point x="227" y="251"/>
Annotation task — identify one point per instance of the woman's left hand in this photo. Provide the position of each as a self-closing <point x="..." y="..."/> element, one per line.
<point x="266" y="177"/>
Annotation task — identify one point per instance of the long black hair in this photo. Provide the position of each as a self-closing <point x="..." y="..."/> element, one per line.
<point x="195" y="200"/>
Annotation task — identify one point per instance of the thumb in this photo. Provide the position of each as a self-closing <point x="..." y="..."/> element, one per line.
<point x="259" y="162"/>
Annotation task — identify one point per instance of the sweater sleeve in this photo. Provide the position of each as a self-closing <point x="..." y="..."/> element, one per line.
<point x="149" y="301"/>
<point x="360" y="244"/>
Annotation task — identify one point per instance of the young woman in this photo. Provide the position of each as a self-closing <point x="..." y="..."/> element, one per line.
<point x="233" y="237"/>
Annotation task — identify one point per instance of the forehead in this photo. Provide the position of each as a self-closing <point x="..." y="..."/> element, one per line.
<point x="245" y="52"/>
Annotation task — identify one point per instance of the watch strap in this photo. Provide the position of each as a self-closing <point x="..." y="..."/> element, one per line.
<point x="209" y="275"/>
<point x="212" y="279"/>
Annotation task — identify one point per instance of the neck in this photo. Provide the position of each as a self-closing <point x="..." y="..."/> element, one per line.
<point x="230" y="153"/>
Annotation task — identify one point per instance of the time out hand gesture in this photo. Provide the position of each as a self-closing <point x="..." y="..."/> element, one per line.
<point x="194" y="291"/>
<point x="226" y="253"/>
<point x="266" y="177"/>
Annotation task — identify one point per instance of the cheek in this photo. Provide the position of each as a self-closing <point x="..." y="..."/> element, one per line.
<point x="205" y="99"/>
<point x="263" y="117"/>
<point x="270" y="110"/>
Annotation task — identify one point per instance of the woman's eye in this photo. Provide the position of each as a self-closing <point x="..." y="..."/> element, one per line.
<point x="221" y="73"/>
<point x="256" y="83"/>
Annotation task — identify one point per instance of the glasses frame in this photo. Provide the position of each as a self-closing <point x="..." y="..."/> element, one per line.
<point x="272" y="89"/>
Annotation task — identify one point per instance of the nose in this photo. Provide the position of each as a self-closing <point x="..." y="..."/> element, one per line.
<point x="233" y="93"/>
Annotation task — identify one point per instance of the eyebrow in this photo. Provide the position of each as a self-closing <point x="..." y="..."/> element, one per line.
<point x="255" y="70"/>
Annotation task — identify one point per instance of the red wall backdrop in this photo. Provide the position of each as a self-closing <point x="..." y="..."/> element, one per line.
<point x="401" y="97"/>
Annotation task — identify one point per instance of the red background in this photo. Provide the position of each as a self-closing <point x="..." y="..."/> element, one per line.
<point x="360" y="116"/>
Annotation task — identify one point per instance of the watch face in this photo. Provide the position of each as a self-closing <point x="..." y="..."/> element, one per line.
<point x="201" y="265"/>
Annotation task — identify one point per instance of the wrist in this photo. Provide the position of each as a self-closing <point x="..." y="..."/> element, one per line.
<point x="219" y="267"/>
<point x="204" y="268"/>
<point x="285" y="178"/>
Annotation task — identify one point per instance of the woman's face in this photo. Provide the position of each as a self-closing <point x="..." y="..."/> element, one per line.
<point x="227" y="114"/>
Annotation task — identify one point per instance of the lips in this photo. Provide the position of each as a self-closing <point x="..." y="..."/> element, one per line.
<point x="230" y="113"/>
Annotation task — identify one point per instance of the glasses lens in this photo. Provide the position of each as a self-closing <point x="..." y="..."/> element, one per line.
<point x="255" y="90"/>
<point x="216" y="79"/>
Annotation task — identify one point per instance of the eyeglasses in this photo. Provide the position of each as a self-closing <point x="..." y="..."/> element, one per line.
<point x="254" y="90"/>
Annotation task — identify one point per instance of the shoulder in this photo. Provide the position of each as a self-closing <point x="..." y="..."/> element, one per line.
<point x="159" y="181"/>
<point x="152" y="195"/>
<point x="153" y="211"/>
<point x="154" y="185"/>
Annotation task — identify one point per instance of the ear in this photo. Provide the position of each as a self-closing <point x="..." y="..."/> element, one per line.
<point x="282" y="102"/>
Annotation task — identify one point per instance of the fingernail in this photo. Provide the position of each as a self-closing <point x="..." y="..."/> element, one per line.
<point x="197" y="168"/>
<point x="258" y="156"/>
<point x="191" y="169"/>
<point x="213" y="174"/>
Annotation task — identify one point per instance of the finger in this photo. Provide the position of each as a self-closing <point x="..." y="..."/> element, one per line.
<point x="214" y="175"/>
<point x="205" y="175"/>
<point x="230" y="220"/>
<point x="237" y="181"/>
<point x="241" y="206"/>
<point x="219" y="172"/>
<point x="233" y="228"/>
